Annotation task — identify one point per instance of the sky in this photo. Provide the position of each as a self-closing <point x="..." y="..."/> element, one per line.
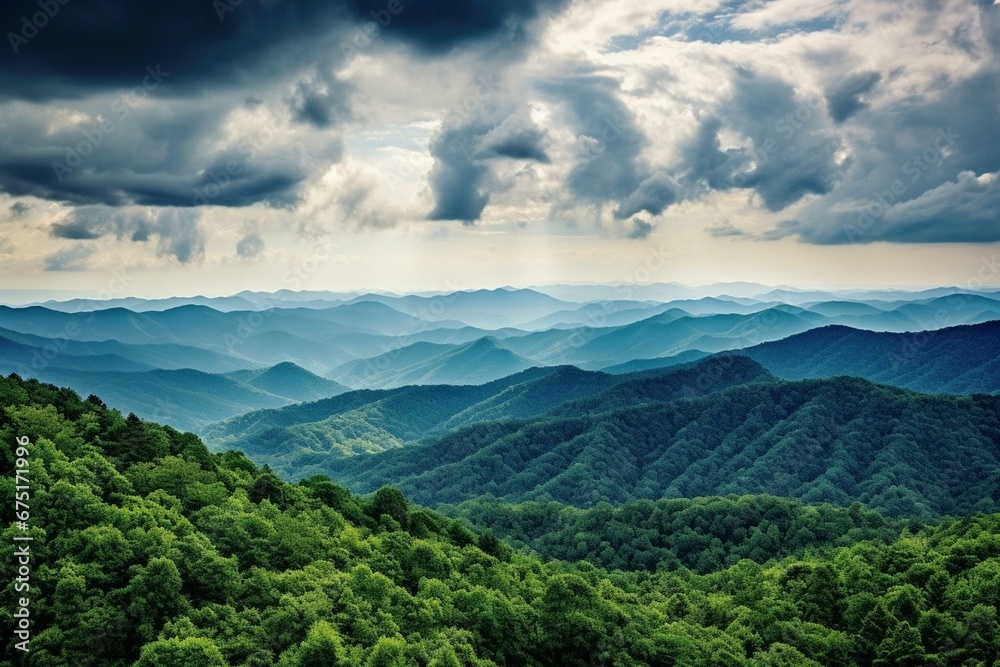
<point x="212" y="146"/>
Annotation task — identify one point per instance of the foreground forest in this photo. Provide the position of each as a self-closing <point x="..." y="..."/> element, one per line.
<point x="149" y="550"/>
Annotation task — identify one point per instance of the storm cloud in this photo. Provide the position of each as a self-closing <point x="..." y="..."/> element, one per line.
<point x="176" y="231"/>
<point x="155" y="126"/>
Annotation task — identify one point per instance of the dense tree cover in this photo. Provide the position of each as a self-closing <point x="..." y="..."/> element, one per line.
<point x="959" y="360"/>
<point x="306" y="439"/>
<point x="702" y="534"/>
<point x="149" y="550"/>
<point x="838" y="441"/>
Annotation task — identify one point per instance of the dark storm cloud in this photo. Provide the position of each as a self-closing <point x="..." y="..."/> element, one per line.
<point x="87" y="46"/>
<point x="653" y="195"/>
<point x="927" y="173"/>
<point x="322" y="101"/>
<point x="462" y="179"/>
<point x="518" y="138"/>
<point x="438" y="27"/>
<point x="200" y="60"/>
<point x="162" y="155"/>
<point x="177" y="231"/>
<point x="793" y="149"/>
<point x="608" y="167"/>
<point x="73" y="258"/>
<point x="78" y="47"/>
<point x="459" y="177"/>
<point x="845" y="98"/>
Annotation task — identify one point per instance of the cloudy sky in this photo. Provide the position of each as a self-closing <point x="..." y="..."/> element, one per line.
<point x="210" y="146"/>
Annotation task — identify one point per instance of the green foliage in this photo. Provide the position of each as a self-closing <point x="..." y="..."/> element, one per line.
<point x="703" y="534"/>
<point x="181" y="653"/>
<point x="135" y="565"/>
<point x="835" y="441"/>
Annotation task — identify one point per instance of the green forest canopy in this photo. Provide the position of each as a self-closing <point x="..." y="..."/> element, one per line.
<point x="152" y="551"/>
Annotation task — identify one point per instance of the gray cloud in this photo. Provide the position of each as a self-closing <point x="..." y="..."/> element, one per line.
<point x="639" y="229"/>
<point x="653" y="195"/>
<point x="517" y="137"/>
<point x="250" y="246"/>
<point x="73" y="258"/>
<point x="845" y="98"/>
<point x="607" y="167"/>
<point x="462" y="179"/>
<point x="321" y="100"/>
<point x="18" y="209"/>
<point x="793" y="148"/>
<point x="459" y="176"/>
<point x="922" y="174"/>
<point x="165" y="155"/>
<point x="176" y="230"/>
<point x="723" y="229"/>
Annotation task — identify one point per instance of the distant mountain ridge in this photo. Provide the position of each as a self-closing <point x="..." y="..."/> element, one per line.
<point x="308" y="438"/>
<point x="189" y="399"/>
<point x="962" y="360"/>
<point x="838" y="440"/>
<point x="479" y="361"/>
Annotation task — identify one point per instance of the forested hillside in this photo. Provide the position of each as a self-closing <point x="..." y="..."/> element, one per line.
<point x="151" y="551"/>
<point x="299" y="440"/>
<point x="958" y="360"/>
<point x="840" y="441"/>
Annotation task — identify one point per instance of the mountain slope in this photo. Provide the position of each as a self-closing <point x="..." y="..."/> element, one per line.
<point x="168" y="356"/>
<point x="26" y="359"/>
<point x="159" y="553"/>
<point x="476" y="362"/>
<point x="303" y="439"/>
<point x="188" y="399"/>
<point x="838" y="441"/>
<point x="962" y="359"/>
<point x="290" y="381"/>
<point x="293" y="438"/>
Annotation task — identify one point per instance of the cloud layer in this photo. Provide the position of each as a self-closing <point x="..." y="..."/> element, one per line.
<point x="829" y="123"/>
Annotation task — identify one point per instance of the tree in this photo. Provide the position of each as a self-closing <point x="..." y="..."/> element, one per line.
<point x="322" y="647"/>
<point x="391" y="502"/>
<point x="389" y="652"/>
<point x="186" y="652"/>
<point x="901" y="648"/>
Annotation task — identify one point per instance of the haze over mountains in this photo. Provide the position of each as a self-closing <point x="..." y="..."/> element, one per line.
<point x="131" y="351"/>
